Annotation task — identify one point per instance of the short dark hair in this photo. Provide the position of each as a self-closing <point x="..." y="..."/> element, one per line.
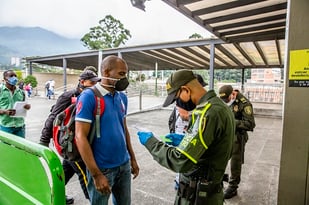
<point x="6" y="72"/>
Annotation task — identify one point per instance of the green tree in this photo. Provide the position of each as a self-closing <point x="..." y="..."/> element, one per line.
<point x="195" y="36"/>
<point x="31" y="79"/>
<point x="110" y="33"/>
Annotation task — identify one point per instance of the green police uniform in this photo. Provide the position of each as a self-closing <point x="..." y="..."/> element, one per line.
<point x="243" y="112"/>
<point x="202" y="155"/>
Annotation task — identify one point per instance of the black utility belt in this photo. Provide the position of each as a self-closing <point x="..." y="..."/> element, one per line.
<point x="198" y="189"/>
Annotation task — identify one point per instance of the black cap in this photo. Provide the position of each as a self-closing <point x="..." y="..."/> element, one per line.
<point x="225" y="91"/>
<point x="174" y="82"/>
<point x="89" y="75"/>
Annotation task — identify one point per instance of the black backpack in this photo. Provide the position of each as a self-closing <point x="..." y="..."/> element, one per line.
<point x="64" y="129"/>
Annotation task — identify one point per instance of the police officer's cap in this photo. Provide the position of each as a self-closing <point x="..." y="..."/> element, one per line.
<point x="225" y="91"/>
<point x="174" y="82"/>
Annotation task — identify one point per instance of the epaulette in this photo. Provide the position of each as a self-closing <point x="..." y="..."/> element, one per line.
<point x="243" y="100"/>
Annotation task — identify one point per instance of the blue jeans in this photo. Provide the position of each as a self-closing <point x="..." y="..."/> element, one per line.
<point x="19" y="131"/>
<point x="119" y="178"/>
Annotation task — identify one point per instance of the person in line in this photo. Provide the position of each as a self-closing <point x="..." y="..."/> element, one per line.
<point x="244" y="117"/>
<point x="202" y="155"/>
<point x="28" y="89"/>
<point x="110" y="158"/>
<point x="179" y="119"/>
<point x="9" y="95"/>
<point x="21" y="84"/>
<point x="87" y="79"/>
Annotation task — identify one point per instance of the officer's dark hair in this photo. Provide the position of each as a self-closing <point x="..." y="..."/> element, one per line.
<point x="6" y="72"/>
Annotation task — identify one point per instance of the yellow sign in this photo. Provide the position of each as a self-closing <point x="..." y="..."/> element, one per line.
<point x="299" y="65"/>
<point x="299" y="68"/>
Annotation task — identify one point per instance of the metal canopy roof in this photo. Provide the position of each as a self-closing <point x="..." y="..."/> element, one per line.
<point x="192" y="54"/>
<point x="250" y="35"/>
<point x="237" y="20"/>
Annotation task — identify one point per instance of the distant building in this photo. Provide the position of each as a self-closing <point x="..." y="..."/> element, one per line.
<point x="15" y="61"/>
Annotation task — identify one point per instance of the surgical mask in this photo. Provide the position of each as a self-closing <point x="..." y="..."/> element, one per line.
<point x="230" y="103"/>
<point x="120" y="85"/>
<point x="12" y="80"/>
<point x="189" y="106"/>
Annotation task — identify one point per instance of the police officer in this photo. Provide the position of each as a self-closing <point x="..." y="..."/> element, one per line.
<point x="203" y="153"/>
<point x="243" y="112"/>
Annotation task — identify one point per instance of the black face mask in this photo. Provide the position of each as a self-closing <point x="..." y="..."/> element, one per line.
<point x="189" y="106"/>
<point x="120" y="85"/>
<point x="81" y="86"/>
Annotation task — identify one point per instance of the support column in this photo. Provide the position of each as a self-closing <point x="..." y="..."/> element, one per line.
<point x="64" y="65"/>
<point x="293" y="177"/>
<point x="211" y="66"/>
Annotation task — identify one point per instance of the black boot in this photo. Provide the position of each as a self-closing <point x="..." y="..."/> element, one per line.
<point x="230" y="192"/>
<point x="69" y="200"/>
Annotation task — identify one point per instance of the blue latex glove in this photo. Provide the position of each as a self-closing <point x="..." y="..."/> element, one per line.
<point x="174" y="139"/>
<point x="144" y="136"/>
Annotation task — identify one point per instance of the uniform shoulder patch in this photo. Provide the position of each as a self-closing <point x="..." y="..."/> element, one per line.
<point x="248" y="110"/>
<point x="243" y="100"/>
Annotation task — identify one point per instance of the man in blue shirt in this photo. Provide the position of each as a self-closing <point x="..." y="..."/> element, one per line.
<point x="110" y="158"/>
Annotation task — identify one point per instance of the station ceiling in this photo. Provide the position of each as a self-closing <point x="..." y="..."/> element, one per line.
<point x="249" y="34"/>
<point x="237" y="20"/>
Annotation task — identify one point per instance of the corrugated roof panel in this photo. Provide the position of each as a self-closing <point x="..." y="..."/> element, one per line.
<point x="185" y="59"/>
<point x="236" y="53"/>
<point x="252" y="25"/>
<point x="237" y="10"/>
<point x="270" y="51"/>
<point x="205" y="4"/>
<point x="224" y="57"/>
<point x="253" y="17"/>
<point x="252" y="51"/>
<point x="192" y="56"/>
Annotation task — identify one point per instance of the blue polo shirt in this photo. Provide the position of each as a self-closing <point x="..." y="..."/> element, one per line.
<point x="110" y="150"/>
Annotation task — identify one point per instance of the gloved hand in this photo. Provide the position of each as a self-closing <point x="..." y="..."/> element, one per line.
<point x="144" y="136"/>
<point x="174" y="139"/>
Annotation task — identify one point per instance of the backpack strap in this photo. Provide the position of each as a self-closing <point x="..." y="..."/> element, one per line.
<point x="99" y="108"/>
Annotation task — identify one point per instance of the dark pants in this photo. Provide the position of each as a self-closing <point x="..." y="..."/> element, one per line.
<point x="78" y="167"/>
<point x="19" y="131"/>
<point x="237" y="160"/>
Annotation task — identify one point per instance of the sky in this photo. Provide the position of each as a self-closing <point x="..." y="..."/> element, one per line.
<point x="73" y="18"/>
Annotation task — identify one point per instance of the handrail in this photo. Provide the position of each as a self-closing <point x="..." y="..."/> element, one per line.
<point x="29" y="173"/>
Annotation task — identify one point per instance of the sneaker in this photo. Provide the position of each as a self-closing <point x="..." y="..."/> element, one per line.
<point x="69" y="200"/>
<point x="230" y="192"/>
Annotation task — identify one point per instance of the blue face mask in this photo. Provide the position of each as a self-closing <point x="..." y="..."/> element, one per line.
<point x="13" y="80"/>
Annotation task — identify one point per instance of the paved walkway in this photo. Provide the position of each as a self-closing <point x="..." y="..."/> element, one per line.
<point x="154" y="186"/>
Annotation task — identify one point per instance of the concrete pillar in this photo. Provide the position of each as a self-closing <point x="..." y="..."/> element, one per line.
<point x="294" y="177"/>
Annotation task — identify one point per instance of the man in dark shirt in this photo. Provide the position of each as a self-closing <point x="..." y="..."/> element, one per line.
<point x="86" y="79"/>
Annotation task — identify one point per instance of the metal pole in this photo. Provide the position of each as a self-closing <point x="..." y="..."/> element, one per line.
<point x="211" y="66"/>
<point x="156" y="83"/>
<point x="64" y="63"/>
